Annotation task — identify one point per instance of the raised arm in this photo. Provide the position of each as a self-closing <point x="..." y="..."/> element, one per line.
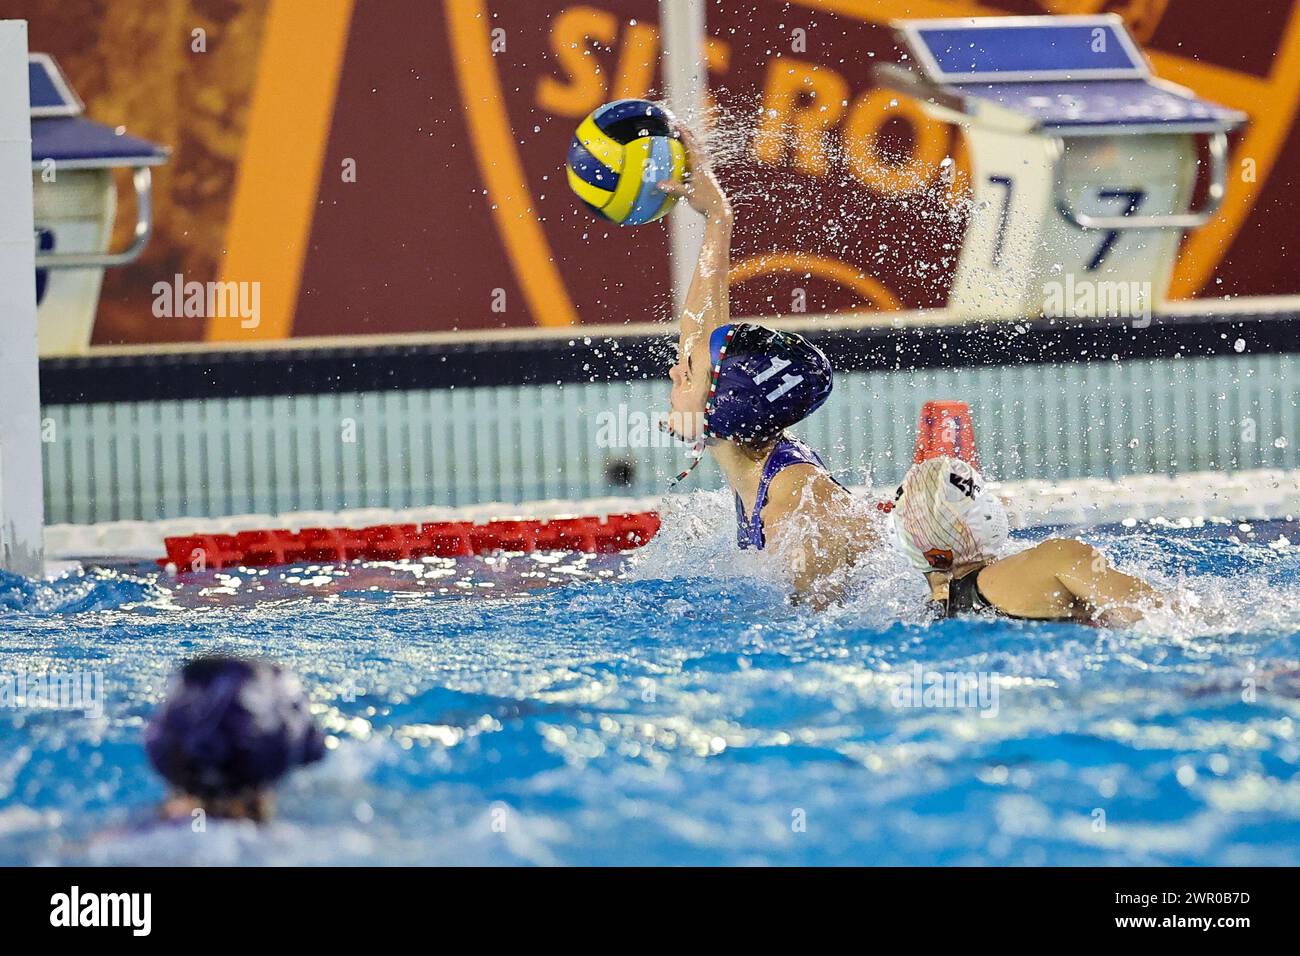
<point x="708" y="303"/>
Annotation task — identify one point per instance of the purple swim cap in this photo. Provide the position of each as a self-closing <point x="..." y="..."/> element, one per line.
<point x="231" y="725"/>
<point x="764" y="381"/>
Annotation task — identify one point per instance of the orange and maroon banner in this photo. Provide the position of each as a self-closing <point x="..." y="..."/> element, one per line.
<point x="396" y="166"/>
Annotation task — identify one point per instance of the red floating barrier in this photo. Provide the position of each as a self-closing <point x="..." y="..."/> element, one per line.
<point x="504" y="536"/>
<point x="398" y="542"/>
<point x="202" y="552"/>
<point x="568" y="534"/>
<point x="262" y="548"/>
<point x="623" y="531"/>
<point x="323" y="544"/>
<point x="389" y="542"/>
<point x="180" y="550"/>
<point x="445" y="539"/>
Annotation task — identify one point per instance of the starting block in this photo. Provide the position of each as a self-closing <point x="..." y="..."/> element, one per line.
<point x="75" y="201"/>
<point x="1084" y="164"/>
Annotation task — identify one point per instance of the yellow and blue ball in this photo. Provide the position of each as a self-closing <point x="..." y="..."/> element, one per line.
<point x="618" y="155"/>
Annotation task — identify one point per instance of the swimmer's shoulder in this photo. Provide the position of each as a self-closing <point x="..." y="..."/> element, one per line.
<point x="797" y="486"/>
<point x="813" y="505"/>
<point x="1048" y="557"/>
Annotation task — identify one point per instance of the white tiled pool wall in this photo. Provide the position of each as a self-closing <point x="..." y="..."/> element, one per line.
<point x="452" y="448"/>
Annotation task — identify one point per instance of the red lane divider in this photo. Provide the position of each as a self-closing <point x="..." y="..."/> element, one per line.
<point x="396" y="542"/>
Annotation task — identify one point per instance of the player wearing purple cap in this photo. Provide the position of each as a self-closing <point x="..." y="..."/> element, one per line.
<point x="229" y="729"/>
<point x="737" y="387"/>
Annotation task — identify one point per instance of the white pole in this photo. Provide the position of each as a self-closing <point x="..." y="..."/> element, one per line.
<point x="682" y="25"/>
<point x="22" y="509"/>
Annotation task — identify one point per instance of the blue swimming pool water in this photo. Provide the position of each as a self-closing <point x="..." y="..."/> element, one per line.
<point x="664" y="711"/>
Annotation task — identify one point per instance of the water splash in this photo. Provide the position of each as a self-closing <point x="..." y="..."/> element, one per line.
<point x="674" y="707"/>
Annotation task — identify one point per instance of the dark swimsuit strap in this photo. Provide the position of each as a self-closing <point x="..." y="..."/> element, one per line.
<point x="786" y="452"/>
<point x="965" y="597"/>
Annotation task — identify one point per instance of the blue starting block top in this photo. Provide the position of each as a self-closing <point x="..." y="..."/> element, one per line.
<point x="50" y="93"/>
<point x="1034" y="49"/>
<point x="1073" y="73"/>
<point x="61" y="133"/>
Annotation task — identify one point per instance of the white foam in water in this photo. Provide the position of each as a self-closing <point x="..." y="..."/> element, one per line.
<point x="697" y="538"/>
<point x="698" y="541"/>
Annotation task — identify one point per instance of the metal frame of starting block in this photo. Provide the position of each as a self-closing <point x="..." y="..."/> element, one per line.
<point x="1063" y="116"/>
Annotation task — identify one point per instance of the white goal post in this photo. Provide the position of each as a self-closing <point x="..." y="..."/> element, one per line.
<point x="21" y="497"/>
<point x="682" y="26"/>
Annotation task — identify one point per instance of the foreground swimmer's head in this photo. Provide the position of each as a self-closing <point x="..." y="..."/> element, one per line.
<point x="229" y="729"/>
<point x="943" y="518"/>
<point x="760" y="381"/>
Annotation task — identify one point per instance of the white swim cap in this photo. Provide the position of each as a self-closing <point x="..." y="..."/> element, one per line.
<point x="943" y="518"/>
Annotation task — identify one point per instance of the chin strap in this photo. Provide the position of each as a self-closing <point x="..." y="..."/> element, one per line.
<point x="697" y="455"/>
